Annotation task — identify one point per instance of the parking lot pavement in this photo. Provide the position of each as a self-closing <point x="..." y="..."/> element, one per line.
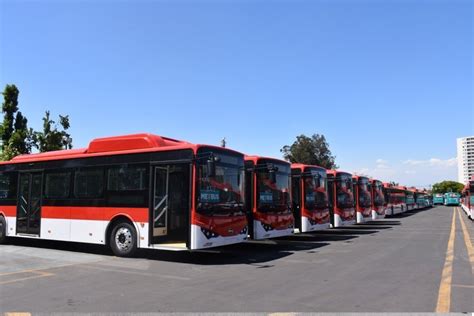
<point x="391" y="265"/>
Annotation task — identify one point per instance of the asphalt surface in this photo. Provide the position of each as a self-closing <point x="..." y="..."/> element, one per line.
<point x="391" y="265"/>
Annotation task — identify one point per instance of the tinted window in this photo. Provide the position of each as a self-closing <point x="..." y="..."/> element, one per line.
<point x="89" y="183"/>
<point x="127" y="178"/>
<point x="8" y="185"/>
<point x="57" y="185"/>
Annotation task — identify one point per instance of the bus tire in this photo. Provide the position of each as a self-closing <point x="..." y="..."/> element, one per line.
<point x="123" y="239"/>
<point x="3" y="230"/>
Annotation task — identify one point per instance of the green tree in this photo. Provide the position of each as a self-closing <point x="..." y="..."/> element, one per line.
<point x="312" y="150"/>
<point x="53" y="138"/>
<point x="16" y="138"/>
<point x="9" y="108"/>
<point x="447" y="186"/>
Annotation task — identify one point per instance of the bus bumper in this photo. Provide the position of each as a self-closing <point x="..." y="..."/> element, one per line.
<point x="306" y="225"/>
<point x="200" y="241"/>
<point x="339" y="222"/>
<point x="376" y="215"/>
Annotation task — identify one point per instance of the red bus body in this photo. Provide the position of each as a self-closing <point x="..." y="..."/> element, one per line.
<point x="269" y="211"/>
<point x="310" y="197"/>
<point x="378" y="200"/>
<point x="467" y="199"/>
<point x="395" y="199"/>
<point x="363" y="198"/>
<point x="341" y="198"/>
<point x="169" y="208"/>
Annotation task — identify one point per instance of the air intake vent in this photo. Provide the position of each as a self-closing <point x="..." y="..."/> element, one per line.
<point x="129" y="142"/>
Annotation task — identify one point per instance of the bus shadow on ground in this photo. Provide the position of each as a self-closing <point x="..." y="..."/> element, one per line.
<point x="382" y="223"/>
<point x="252" y="253"/>
<point x="409" y="213"/>
<point x="61" y="245"/>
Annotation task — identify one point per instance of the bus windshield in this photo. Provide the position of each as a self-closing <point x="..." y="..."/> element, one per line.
<point x="344" y="191"/>
<point x="315" y="190"/>
<point x="365" y="199"/>
<point x="273" y="196"/>
<point x="223" y="192"/>
<point x="379" y="197"/>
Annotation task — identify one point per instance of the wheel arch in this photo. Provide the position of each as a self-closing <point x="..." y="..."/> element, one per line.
<point x="118" y="218"/>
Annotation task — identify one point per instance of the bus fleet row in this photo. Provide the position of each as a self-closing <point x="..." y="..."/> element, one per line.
<point x="147" y="191"/>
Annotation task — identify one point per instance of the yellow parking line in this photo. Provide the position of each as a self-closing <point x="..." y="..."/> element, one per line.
<point x="37" y="274"/>
<point x="17" y="314"/>
<point x="467" y="241"/>
<point x="444" y="294"/>
<point x="17" y="272"/>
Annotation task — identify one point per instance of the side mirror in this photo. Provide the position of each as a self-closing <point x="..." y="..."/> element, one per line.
<point x="272" y="170"/>
<point x="272" y="175"/>
<point x="211" y="166"/>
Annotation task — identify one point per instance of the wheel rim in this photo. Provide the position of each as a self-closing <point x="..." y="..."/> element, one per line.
<point x="123" y="239"/>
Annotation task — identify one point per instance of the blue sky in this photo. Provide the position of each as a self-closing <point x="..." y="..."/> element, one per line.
<point x="389" y="83"/>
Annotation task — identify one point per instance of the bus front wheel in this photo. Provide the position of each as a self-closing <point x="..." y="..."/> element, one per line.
<point x="3" y="230"/>
<point x="123" y="240"/>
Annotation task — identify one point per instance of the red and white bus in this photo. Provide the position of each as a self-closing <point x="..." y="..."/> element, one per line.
<point x="363" y="200"/>
<point x="378" y="200"/>
<point x="467" y="199"/>
<point x="394" y="199"/>
<point x="268" y="193"/>
<point x="310" y="197"/>
<point x="410" y="198"/>
<point x="341" y="198"/>
<point x="133" y="191"/>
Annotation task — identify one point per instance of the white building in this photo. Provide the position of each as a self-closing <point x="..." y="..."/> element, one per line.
<point x="465" y="158"/>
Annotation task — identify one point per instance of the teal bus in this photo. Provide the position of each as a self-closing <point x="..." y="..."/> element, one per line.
<point x="438" y="199"/>
<point x="452" y="199"/>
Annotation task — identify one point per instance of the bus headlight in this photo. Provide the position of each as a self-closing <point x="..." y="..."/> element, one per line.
<point x="209" y="234"/>
<point x="266" y="226"/>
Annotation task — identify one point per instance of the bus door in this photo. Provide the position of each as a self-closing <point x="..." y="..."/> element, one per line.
<point x="28" y="214"/>
<point x="170" y="203"/>
<point x="160" y="201"/>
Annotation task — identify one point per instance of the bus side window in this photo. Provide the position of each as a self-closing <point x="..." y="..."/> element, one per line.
<point x="57" y="185"/>
<point x="8" y="185"/>
<point x="89" y="183"/>
<point x="127" y="178"/>
<point x="127" y="185"/>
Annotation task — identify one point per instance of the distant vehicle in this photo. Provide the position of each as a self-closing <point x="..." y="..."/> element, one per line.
<point x="452" y="199"/>
<point x="268" y="187"/>
<point x="310" y="197"/>
<point x="438" y="199"/>
<point x="341" y="198"/>
<point x="395" y="200"/>
<point x="363" y="200"/>
<point x="429" y="197"/>
<point x="468" y="199"/>
<point x="421" y="199"/>
<point x="410" y="198"/>
<point x="128" y="192"/>
<point x="378" y="199"/>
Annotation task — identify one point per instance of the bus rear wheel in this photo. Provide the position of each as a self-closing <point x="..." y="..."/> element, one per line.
<point x="3" y="230"/>
<point x="123" y="240"/>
